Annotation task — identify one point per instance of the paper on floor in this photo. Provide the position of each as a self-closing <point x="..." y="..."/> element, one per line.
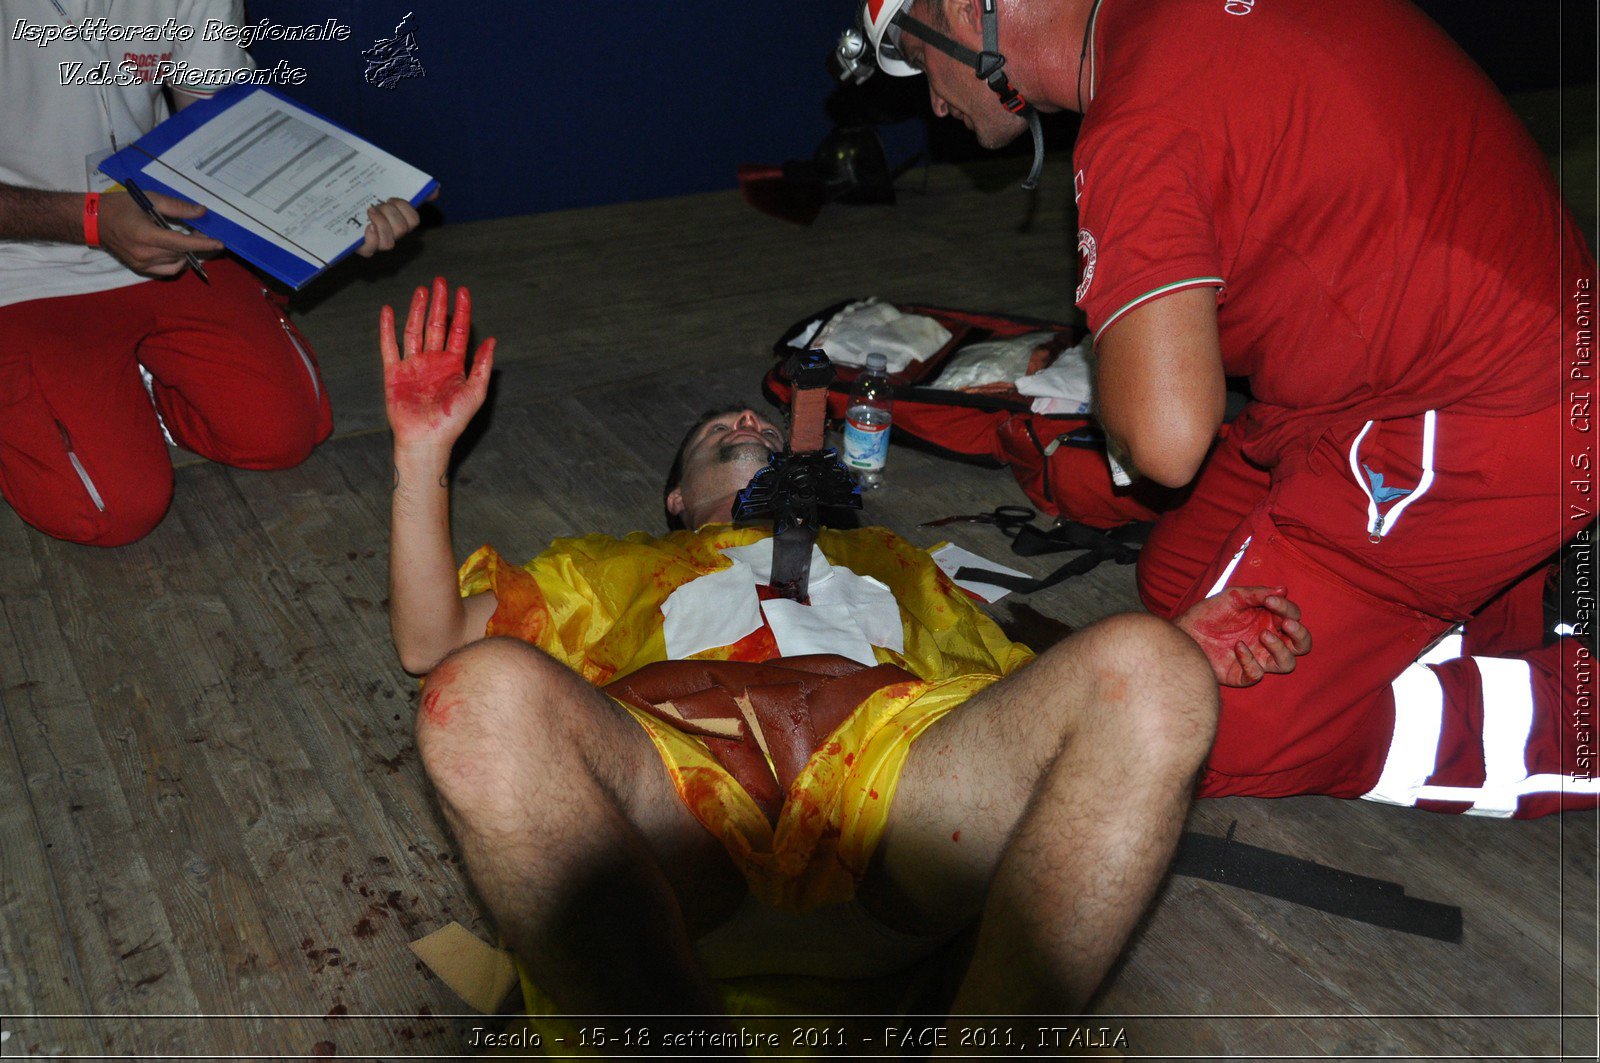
<point x="479" y="973"/>
<point x="950" y="558"/>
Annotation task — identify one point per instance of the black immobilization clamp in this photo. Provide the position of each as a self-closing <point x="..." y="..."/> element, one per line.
<point x="800" y="481"/>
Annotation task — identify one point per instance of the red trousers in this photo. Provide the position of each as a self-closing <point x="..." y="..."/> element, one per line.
<point x="1387" y="535"/>
<point x="82" y="457"/>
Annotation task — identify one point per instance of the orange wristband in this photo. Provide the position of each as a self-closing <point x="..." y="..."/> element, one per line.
<point x="91" y="219"/>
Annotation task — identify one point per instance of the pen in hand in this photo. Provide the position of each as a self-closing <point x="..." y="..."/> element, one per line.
<point x="150" y="208"/>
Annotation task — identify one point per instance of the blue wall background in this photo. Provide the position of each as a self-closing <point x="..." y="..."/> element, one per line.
<point x="536" y="105"/>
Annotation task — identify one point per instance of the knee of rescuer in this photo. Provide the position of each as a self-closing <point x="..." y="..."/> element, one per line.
<point x="278" y="443"/>
<point x="278" y="429"/>
<point x="131" y="511"/>
<point x="1156" y="687"/>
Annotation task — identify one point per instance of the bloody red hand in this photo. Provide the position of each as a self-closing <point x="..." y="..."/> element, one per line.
<point x="428" y="395"/>
<point x="1247" y="633"/>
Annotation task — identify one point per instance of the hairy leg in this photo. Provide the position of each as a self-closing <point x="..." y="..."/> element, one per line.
<point x="1050" y="805"/>
<point x="572" y="833"/>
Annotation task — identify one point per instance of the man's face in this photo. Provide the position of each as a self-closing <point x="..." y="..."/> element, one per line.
<point x="953" y="88"/>
<point x="718" y="461"/>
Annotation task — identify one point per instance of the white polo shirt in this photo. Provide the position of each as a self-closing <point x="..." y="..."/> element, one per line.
<point x="51" y="125"/>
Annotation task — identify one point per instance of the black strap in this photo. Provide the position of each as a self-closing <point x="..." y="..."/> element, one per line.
<point x="917" y="28"/>
<point x="1070" y="535"/>
<point x="1028" y="585"/>
<point x="1030" y="541"/>
<point x="989" y="64"/>
<point x="1327" y="889"/>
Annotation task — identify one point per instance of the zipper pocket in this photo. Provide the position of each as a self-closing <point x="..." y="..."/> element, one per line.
<point x="1044" y="460"/>
<point x="299" y="348"/>
<point x="83" y="474"/>
<point x="1380" y="524"/>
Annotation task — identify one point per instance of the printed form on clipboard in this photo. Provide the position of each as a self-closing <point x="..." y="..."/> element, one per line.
<point x="284" y="188"/>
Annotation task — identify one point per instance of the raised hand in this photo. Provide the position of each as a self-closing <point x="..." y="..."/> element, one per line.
<point x="1247" y="633"/>
<point x="427" y="392"/>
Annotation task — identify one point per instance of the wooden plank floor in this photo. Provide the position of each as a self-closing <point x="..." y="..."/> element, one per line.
<point x="216" y="835"/>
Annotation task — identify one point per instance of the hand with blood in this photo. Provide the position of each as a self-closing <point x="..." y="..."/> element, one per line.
<point x="427" y="391"/>
<point x="1247" y="633"/>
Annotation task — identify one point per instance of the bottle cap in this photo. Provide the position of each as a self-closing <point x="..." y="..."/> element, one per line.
<point x="877" y="363"/>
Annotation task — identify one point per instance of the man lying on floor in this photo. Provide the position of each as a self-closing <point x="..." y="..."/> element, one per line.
<point x="752" y="811"/>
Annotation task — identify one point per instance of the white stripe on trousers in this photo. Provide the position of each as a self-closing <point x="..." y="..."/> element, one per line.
<point x="1414" y="749"/>
<point x="1508" y="708"/>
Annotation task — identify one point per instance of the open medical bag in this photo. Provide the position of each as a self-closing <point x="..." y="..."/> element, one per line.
<point x="1058" y="459"/>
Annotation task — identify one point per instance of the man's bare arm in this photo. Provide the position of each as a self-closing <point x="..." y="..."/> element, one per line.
<point x="430" y="400"/>
<point x="1159" y="388"/>
<point x="125" y="231"/>
<point x="34" y="214"/>
<point x="57" y="217"/>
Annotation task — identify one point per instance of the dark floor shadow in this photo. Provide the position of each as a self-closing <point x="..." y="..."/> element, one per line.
<point x="1032" y="628"/>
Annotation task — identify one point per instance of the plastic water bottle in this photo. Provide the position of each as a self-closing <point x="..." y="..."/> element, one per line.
<point x="866" y="424"/>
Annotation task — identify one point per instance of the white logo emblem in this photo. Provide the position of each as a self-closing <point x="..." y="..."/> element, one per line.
<point x="1087" y="253"/>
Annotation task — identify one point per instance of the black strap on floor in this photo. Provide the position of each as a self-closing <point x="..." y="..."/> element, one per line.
<point x="1117" y="546"/>
<point x="1327" y="889"/>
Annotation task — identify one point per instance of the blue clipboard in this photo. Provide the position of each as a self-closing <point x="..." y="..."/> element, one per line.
<point x="284" y="260"/>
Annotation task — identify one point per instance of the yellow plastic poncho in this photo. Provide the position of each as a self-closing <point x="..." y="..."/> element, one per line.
<point x="595" y="604"/>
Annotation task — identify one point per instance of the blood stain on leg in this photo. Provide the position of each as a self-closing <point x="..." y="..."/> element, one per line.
<point x="437" y="704"/>
<point x="437" y="707"/>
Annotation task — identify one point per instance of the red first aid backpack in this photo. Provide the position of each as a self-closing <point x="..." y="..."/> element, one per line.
<point x="1059" y="460"/>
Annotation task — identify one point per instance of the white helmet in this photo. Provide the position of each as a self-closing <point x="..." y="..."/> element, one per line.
<point x="878" y="19"/>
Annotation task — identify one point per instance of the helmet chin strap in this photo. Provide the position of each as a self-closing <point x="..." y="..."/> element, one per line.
<point x="990" y="66"/>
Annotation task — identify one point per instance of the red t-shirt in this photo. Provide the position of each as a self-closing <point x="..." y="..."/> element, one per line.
<point x="1384" y="235"/>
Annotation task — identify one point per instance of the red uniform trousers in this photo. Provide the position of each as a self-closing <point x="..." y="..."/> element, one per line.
<point x="81" y="453"/>
<point x="1452" y="519"/>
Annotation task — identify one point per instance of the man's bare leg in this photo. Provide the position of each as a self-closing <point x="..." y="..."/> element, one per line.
<point x="1052" y="804"/>
<point x="572" y="832"/>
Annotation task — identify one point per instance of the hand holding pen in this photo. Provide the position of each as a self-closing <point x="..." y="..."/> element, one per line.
<point x="155" y="250"/>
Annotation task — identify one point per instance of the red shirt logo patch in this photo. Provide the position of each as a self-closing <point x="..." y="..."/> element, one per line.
<point x="1087" y="253"/>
